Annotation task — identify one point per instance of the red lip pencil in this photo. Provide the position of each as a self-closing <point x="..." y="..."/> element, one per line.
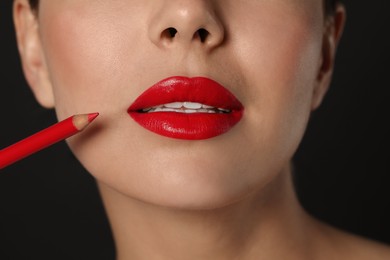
<point x="45" y="138"/>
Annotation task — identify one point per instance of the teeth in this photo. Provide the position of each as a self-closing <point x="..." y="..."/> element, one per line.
<point x="224" y="110"/>
<point x="192" y="105"/>
<point x="164" y="109"/>
<point x="190" y="111"/>
<point x="174" y="105"/>
<point x="185" y="107"/>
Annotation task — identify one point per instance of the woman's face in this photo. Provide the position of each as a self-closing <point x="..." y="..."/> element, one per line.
<point x="101" y="55"/>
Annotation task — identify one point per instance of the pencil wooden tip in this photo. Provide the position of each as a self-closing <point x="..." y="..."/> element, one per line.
<point x="92" y="116"/>
<point x="82" y="120"/>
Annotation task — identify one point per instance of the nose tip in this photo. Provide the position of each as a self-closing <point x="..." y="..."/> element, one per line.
<point x="184" y="24"/>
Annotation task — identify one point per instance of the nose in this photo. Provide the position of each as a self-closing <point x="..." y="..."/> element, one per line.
<point x="185" y="23"/>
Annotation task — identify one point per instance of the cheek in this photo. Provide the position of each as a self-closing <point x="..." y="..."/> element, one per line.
<point x="281" y="54"/>
<point x="280" y="61"/>
<point x="85" y="55"/>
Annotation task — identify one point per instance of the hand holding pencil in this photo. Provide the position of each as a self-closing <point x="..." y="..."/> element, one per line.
<point x="45" y="138"/>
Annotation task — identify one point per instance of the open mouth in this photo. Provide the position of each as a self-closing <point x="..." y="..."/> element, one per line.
<point x="187" y="108"/>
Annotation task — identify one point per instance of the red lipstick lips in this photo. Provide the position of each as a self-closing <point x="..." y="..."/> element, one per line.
<point x="187" y="108"/>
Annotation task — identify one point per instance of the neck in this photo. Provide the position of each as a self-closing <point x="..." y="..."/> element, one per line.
<point x="268" y="224"/>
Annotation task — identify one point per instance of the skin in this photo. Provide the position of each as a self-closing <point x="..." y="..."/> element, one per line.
<point x="229" y="197"/>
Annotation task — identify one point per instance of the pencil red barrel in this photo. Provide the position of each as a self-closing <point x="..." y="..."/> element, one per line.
<point x="44" y="138"/>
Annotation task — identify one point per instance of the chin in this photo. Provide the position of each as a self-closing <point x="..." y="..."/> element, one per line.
<point x="193" y="191"/>
<point x="189" y="199"/>
<point x="195" y="199"/>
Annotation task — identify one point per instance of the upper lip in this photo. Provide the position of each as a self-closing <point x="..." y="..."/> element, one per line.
<point x="180" y="89"/>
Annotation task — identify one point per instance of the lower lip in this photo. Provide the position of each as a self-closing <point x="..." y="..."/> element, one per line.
<point x="196" y="126"/>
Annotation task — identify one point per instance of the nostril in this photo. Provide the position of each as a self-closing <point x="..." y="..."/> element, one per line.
<point x="169" y="33"/>
<point x="172" y="32"/>
<point x="202" y="33"/>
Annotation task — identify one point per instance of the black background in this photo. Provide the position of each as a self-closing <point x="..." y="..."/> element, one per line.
<point x="50" y="207"/>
